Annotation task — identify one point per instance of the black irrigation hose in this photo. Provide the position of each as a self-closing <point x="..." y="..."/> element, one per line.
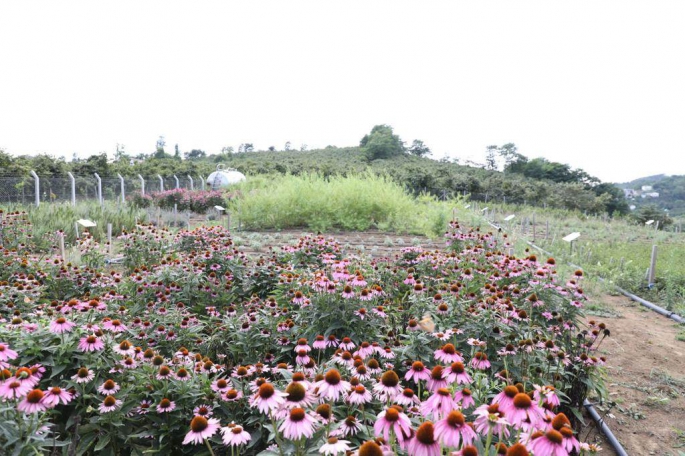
<point x="620" y="451"/>
<point x="613" y="441"/>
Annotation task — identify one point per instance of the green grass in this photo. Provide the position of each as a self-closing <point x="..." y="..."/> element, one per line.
<point x="354" y="202"/>
<point x="48" y="218"/>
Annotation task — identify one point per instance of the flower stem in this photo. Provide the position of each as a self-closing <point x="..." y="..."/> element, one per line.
<point x="209" y="446"/>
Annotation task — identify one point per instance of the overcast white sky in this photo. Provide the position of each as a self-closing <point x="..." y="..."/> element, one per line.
<point x="599" y="85"/>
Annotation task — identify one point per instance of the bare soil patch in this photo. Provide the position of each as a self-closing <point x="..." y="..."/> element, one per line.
<point x="646" y="380"/>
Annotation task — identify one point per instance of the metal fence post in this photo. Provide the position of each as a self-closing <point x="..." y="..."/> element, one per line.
<point x="123" y="195"/>
<point x="202" y="179"/>
<point x="142" y="185"/>
<point x="73" y="189"/>
<point x="161" y="183"/>
<point x="37" y="179"/>
<point x="99" y="189"/>
<point x="190" y="179"/>
<point x="178" y="185"/>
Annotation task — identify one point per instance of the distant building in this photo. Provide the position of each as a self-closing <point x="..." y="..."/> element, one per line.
<point x="647" y="188"/>
<point x="650" y="195"/>
<point x="632" y="207"/>
<point x="629" y="193"/>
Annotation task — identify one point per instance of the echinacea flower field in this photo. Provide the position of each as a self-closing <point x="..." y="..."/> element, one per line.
<point x="191" y="347"/>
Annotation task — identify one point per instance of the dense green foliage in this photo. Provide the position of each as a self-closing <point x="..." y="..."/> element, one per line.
<point x="671" y="191"/>
<point x="536" y="182"/>
<point x="356" y="202"/>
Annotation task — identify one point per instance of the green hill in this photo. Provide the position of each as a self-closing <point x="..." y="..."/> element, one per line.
<point x="441" y="178"/>
<point x="671" y="191"/>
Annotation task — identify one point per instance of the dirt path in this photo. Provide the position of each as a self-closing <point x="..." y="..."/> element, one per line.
<point x="646" y="367"/>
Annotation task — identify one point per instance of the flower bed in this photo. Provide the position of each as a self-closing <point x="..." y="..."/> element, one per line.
<point x="203" y="350"/>
<point x="198" y="201"/>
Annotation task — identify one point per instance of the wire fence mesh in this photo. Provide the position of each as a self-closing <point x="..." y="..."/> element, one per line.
<point x="59" y="189"/>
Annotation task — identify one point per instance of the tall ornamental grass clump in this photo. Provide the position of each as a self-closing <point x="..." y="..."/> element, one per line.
<point x="41" y="223"/>
<point x="355" y="202"/>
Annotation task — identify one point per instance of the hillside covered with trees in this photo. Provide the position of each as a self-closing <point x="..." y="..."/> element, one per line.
<point x="671" y="190"/>
<point x="521" y="180"/>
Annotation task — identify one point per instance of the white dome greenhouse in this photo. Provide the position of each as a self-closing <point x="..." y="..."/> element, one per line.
<point x="223" y="177"/>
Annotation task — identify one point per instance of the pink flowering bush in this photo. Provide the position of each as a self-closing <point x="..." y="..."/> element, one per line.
<point x="198" y="201"/>
<point x="198" y="348"/>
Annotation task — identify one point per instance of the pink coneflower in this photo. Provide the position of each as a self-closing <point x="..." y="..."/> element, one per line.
<point x="83" y="375"/>
<point x="164" y="373"/>
<point x="90" y="343"/>
<point x="54" y="395"/>
<point x="334" y="446"/>
<point x="298" y="424"/>
<point x="387" y="353"/>
<point x="61" y="325"/>
<point x="407" y="398"/>
<point x="453" y="429"/>
<point x="302" y="358"/>
<point x="480" y="361"/>
<point x="490" y="419"/>
<point x="347" y="344"/>
<point x="201" y="428"/>
<point x="299" y="298"/>
<point x="129" y="363"/>
<point x="448" y="354"/>
<point x="366" y="295"/>
<point x="319" y="343"/>
<point x="232" y="395"/>
<point x="392" y="419"/>
<point x="361" y="313"/>
<point x="457" y="373"/>
<point x="523" y="410"/>
<point x="506" y="398"/>
<point x="6" y="353"/>
<point x="359" y="395"/>
<point x="464" y="398"/>
<point x="267" y="399"/>
<point x="302" y="346"/>
<point x="182" y="375"/>
<point x="350" y="426"/>
<point x="125" y="348"/>
<point x="332" y="341"/>
<point x="561" y="424"/>
<point x="298" y="396"/>
<point x="332" y="386"/>
<point x="548" y="393"/>
<point x="348" y="292"/>
<point x="114" y="326"/>
<point x="323" y="411"/>
<point x="203" y="410"/>
<point x="14" y="389"/>
<point x="388" y="387"/>
<point x="507" y="350"/>
<point x="166" y="406"/>
<point x="550" y="443"/>
<point x="436" y="379"/>
<point x="424" y="442"/>
<point x="439" y="404"/>
<point x="144" y="407"/>
<point x="417" y="372"/>
<point x="109" y="388"/>
<point x="33" y="402"/>
<point x="221" y="385"/>
<point x="365" y="350"/>
<point x="233" y="435"/>
<point x="110" y="404"/>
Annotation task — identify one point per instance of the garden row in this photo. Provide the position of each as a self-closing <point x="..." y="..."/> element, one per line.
<point x="192" y="347"/>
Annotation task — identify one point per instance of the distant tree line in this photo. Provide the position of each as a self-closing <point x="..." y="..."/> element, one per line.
<point x="522" y="180"/>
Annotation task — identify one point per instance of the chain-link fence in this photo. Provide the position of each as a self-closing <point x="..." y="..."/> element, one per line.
<point x="22" y="189"/>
